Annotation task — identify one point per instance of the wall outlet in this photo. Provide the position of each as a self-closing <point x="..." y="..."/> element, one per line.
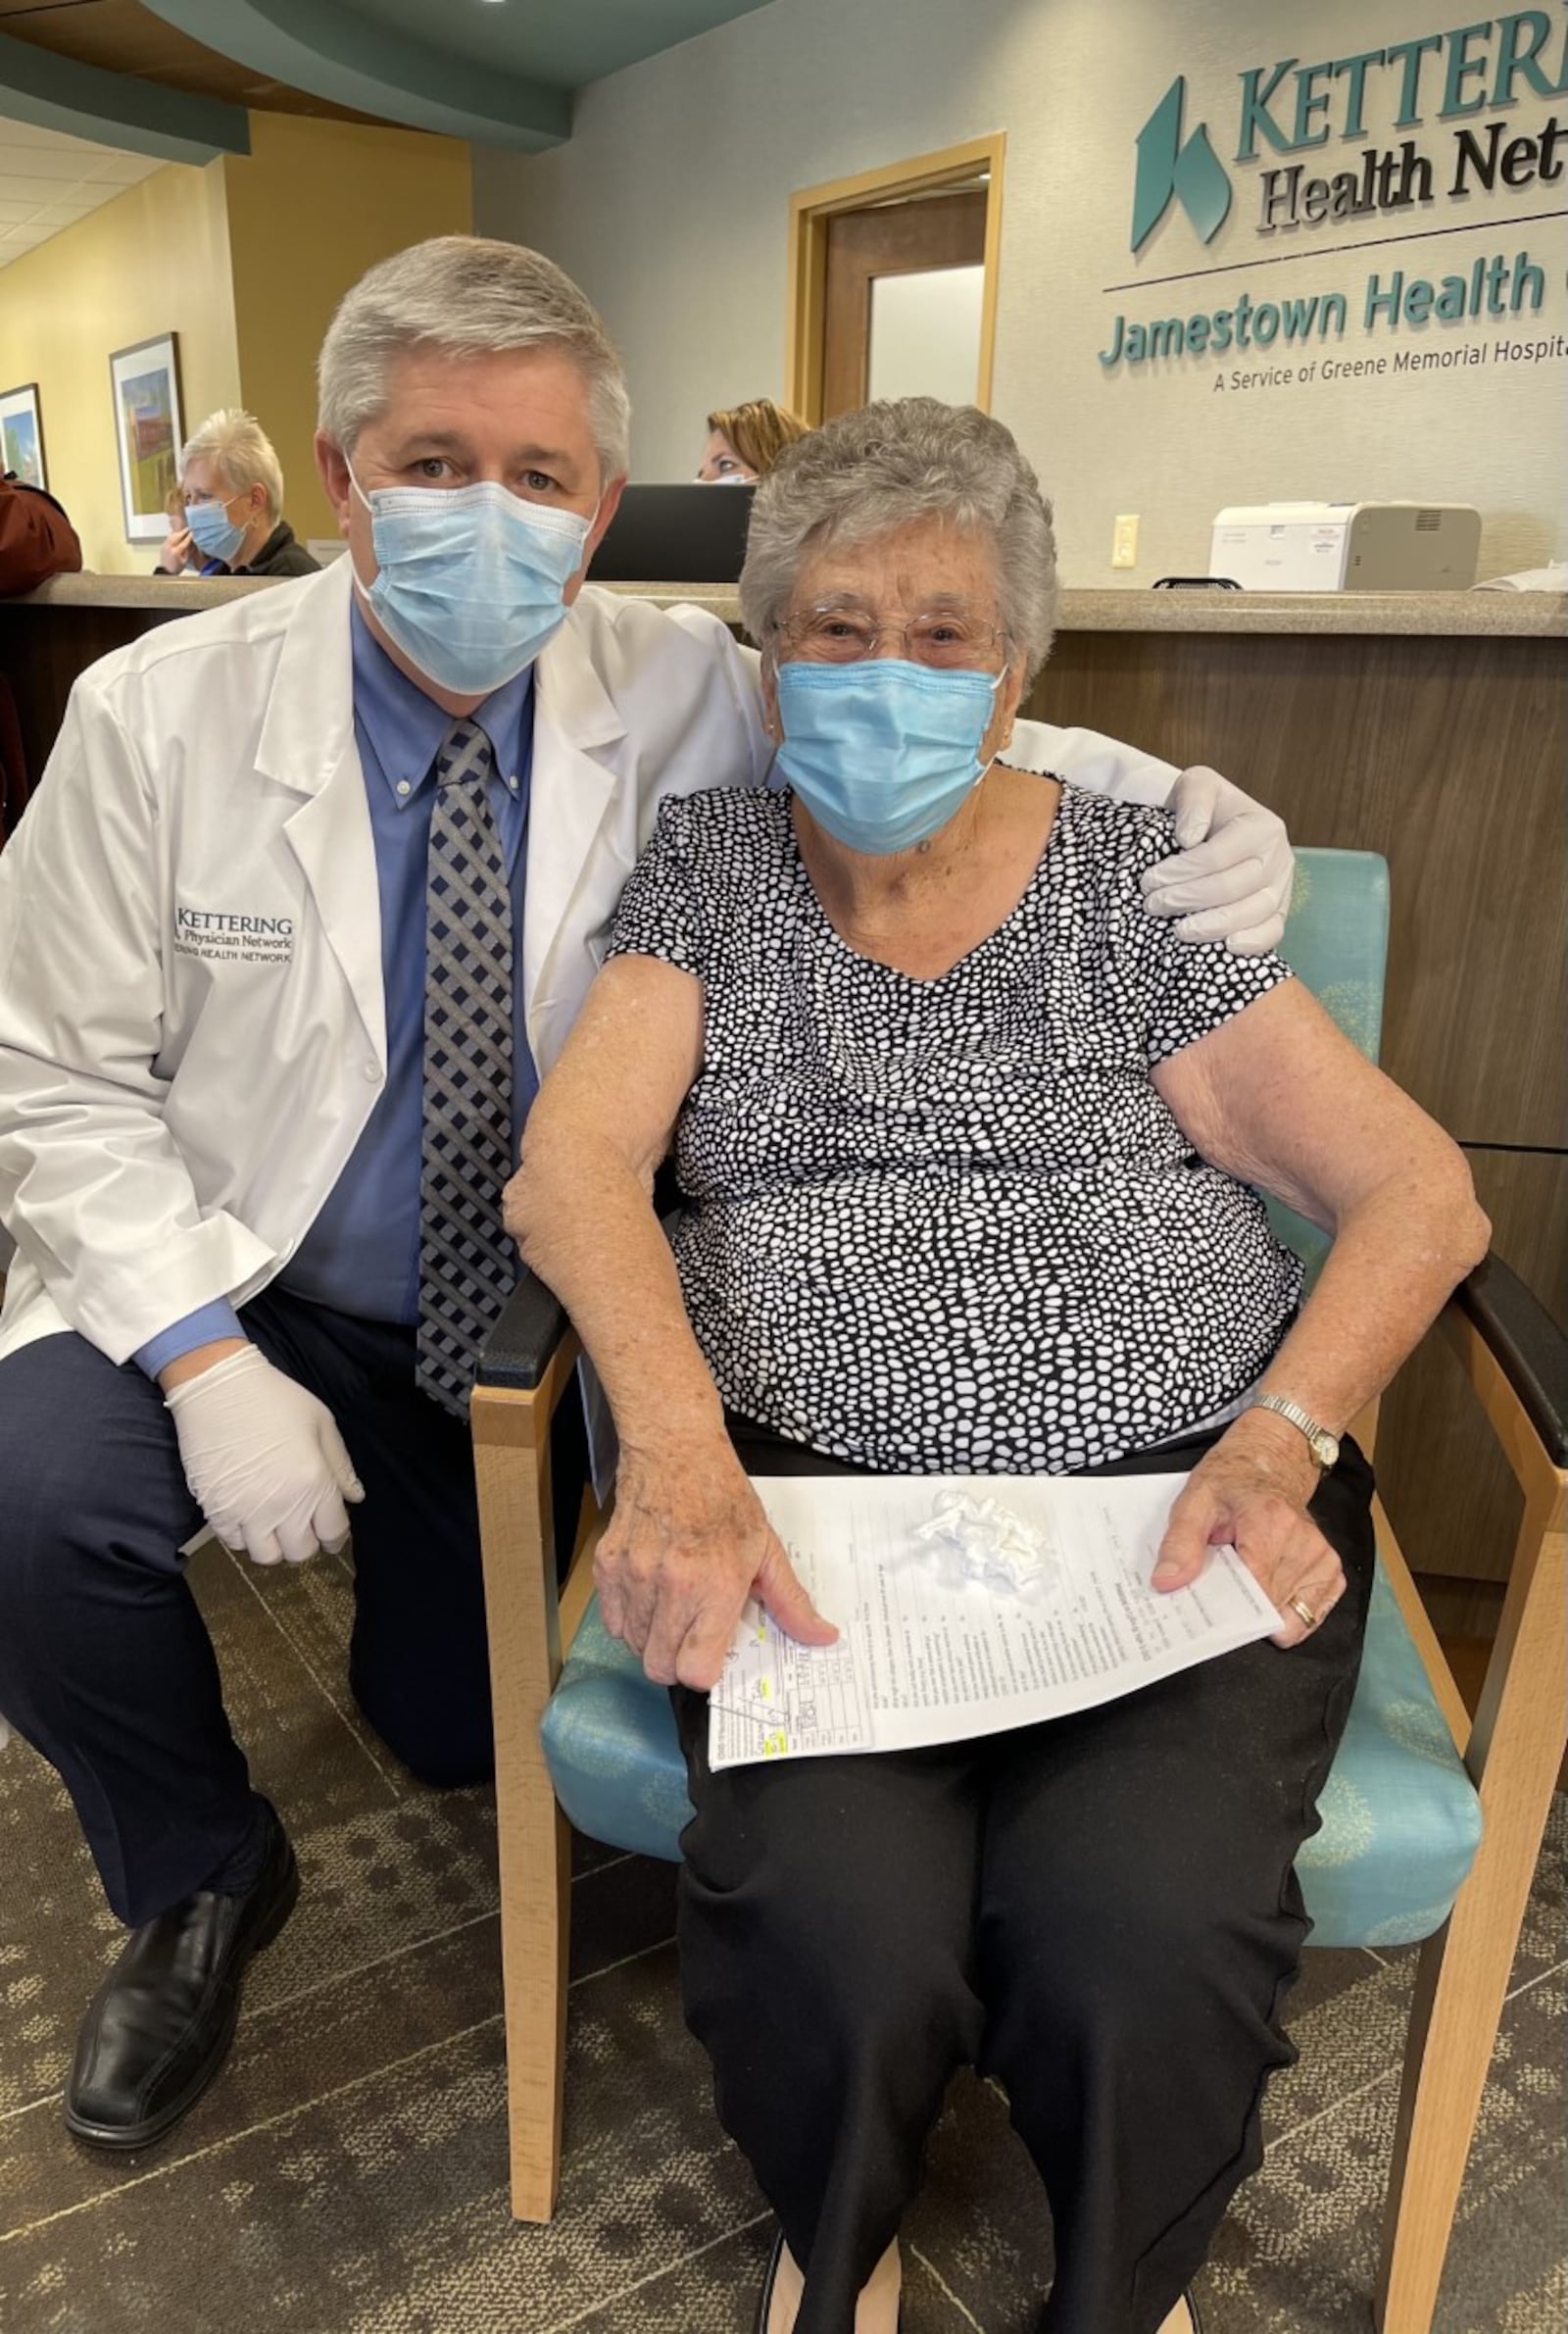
<point x="1124" y="542"/>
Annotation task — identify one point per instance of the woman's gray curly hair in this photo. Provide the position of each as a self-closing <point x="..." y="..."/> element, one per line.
<point x="882" y="468"/>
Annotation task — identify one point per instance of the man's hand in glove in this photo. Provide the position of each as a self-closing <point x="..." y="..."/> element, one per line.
<point x="264" y="1458"/>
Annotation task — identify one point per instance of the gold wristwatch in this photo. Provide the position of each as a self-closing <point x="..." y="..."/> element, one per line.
<point x="1324" y="1447"/>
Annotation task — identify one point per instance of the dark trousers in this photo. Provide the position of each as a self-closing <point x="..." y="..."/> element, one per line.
<point x="105" y="1663"/>
<point x="1099" y="1912"/>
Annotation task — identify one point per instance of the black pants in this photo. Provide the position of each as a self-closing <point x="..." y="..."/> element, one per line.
<point x="1099" y="1912"/>
<point x="105" y="1663"/>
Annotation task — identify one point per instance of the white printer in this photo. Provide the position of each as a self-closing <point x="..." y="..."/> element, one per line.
<point x="1348" y="547"/>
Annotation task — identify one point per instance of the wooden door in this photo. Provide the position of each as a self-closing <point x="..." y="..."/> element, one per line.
<point x="914" y="236"/>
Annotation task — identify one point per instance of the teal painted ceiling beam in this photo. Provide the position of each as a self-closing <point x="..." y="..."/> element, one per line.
<point x="115" y="109"/>
<point x="335" y="53"/>
<point x="566" y="42"/>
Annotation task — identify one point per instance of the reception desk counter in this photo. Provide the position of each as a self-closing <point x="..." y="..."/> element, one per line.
<point x="1533" y="616"/>
<point x="1522" y="615"/>
<point x="1429" y="726"/>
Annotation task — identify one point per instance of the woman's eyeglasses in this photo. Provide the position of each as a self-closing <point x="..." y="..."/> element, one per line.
<point x="946" y="638"/>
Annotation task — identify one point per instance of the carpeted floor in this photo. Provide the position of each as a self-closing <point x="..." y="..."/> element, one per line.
<point x="346" y="2176"/>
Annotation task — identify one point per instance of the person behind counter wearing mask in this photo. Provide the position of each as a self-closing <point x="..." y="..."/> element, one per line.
<point x="254" y="1121"/>
<point x="231" y="505"/>
<point x="744" y="441"/>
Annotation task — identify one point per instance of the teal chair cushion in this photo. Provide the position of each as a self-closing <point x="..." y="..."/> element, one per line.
<point x="611" y="1746"/>
<point x="1337" y="938"/>
<point x="1400" y="1820"/>
<point x="1335" y="941"/>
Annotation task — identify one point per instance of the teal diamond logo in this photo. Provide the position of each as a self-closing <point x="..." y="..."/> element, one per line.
<point x="1192" y="172"/>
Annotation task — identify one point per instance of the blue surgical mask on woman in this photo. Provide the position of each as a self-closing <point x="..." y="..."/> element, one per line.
<point x="883" y="752"/>
<point x="212" y="531"/>
<point x="471" y="578"/>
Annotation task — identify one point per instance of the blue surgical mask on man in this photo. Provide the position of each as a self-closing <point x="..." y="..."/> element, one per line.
<point x="212" y="531"/>
<point x="472" y="580"/>
<point x="883" y="752"/>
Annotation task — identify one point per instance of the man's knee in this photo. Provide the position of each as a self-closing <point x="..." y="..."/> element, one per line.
<point x="89" y="1462"/>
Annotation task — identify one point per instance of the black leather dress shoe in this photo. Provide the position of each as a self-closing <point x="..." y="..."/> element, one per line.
<point x="160" y="2023"/>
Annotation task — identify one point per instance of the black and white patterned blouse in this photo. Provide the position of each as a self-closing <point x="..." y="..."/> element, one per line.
<point x="948" y="1225"/>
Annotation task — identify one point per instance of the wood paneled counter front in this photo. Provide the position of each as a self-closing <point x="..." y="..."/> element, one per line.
<point x="1429" y="726"/>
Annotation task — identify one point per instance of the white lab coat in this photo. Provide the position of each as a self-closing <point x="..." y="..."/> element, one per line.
<point x="192" y="1023"/>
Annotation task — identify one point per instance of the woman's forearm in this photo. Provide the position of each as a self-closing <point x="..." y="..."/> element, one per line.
<point x="1280" y="1099"/>
<point x="586" y="1225"/>
<point x="1399" y="1252"/>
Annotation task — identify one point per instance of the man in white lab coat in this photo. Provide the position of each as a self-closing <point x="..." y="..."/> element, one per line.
<point x="305" y="905"/>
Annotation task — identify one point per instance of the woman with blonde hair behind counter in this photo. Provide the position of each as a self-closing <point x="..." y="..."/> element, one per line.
<point x="744" y="441"/>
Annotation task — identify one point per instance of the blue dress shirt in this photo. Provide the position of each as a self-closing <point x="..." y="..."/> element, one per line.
<point x="362" y="1254"/>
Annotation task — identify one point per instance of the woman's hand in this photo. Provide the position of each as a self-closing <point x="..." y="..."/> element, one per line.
<point x="177" y="551"/>
<point x="1250" y="1492"/>
<point x="687" y="1544"/>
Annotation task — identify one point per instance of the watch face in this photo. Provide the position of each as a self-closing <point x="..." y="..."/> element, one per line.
<point x="1325" y="1449"/>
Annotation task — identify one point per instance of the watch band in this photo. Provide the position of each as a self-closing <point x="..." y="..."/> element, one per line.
<point x="1324" y="1446"/>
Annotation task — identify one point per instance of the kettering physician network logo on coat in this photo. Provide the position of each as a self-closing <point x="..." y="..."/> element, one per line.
<point x="1289" y="108"/>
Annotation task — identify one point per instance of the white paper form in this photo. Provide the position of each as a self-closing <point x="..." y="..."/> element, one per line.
<point x="925" y="1657"/>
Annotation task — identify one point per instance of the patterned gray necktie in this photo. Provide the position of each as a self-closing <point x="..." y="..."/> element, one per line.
<point x="468" y="1264"/>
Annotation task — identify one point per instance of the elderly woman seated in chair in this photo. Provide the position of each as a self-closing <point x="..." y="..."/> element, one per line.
<point x="967" y="1144"/>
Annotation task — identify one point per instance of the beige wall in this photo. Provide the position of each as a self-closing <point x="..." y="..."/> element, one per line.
<point x="670" y="205"/>
<point x="311" y="206"/>
<point x="245" y="261"/>
<point x="155" y="259"/>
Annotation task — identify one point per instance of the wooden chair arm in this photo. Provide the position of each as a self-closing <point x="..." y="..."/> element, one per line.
<point x="524" y="1371"/>
<point x="1516" y="1360"/>
<point x="527" y="1369"/>
<point x="1528" y="1346"/>
<point x="519" y="1349"/>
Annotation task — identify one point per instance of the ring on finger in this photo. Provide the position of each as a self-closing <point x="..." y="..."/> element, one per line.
<point x="1304" y="1611"/>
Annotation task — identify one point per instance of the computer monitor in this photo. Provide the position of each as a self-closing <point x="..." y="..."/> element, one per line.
<point x="675" y="534"/>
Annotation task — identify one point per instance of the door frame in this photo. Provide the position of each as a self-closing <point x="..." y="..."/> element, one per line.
<point x="811" y="208"/>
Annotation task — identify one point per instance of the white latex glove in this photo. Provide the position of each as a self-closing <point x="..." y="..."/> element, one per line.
<point x="1235" y="885"/>
<point x="264" y="1458"/>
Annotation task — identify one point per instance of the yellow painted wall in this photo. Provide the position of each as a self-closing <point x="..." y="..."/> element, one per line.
<point x="245" y="261"/>
<point x="311" y="206"/>
<point x="154" y="260"/>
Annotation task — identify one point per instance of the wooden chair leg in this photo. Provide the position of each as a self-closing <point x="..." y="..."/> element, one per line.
<point x="512" y="1463"/>
<point x="1462" y="1977"/>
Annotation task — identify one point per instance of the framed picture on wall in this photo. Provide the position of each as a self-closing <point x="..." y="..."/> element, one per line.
<point x="148" y="431"/>
<point x="22" y="435"/>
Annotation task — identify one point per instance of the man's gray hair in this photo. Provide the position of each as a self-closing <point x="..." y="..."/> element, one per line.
<point x="870" y="472"/>
<point x="464" y="296"/>
<point x="241" y="452"/>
